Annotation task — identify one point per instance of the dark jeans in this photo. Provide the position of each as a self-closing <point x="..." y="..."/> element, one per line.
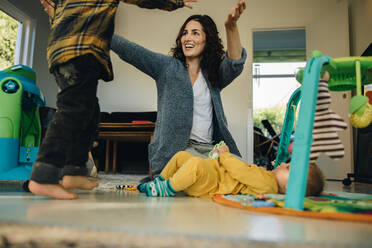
<point x="64" y="150"/>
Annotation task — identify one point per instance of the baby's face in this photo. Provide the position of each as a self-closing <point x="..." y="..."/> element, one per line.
<point x="282" y="174"/>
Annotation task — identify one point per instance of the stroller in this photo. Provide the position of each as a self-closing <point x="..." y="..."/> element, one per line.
<point x="265" y="147"/>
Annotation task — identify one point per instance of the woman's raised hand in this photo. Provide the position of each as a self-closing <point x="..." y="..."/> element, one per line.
<point x="234" y="14"/>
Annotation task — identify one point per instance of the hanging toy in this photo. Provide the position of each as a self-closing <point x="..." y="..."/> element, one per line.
<point x="360" y="110"/>
<point x="346" y="73"/>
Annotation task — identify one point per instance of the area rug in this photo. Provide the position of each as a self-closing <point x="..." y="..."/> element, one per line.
<point x="329" y="205"/>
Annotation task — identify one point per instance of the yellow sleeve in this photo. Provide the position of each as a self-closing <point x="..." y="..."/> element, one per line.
<point x="257" y="179"/>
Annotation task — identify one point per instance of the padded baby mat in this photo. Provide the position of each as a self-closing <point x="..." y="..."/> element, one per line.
<point x="329" y="205"/>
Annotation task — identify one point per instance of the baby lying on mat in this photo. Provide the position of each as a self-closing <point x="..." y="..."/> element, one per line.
<point x="226" y="175"/>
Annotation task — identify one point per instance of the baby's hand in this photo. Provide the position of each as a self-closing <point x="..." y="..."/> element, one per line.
<point x="222" y="149"/>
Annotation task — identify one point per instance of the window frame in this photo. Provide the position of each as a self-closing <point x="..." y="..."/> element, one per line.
<point x="25" y="43"/>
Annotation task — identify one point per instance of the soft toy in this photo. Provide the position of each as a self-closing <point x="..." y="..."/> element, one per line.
<point x="326" y="125"/>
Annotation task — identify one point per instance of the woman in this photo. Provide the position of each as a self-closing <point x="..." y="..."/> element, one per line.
<point x="190" y="114"/>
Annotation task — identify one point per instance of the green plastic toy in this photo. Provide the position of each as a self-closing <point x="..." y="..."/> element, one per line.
<point x="349" y="73"/>
<point x="213" y="153"/>
<point x="343" y="72"/>
<point x="20" y="129"/>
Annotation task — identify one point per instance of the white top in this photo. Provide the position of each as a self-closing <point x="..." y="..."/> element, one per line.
<point x="202" y="128"/>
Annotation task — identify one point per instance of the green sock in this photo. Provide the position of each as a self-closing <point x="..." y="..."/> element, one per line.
<point x="142" y="188"/>
<point x="159" y="188"/>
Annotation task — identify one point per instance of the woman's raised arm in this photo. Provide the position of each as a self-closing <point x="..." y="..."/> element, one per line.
<point x="234" y="46"/>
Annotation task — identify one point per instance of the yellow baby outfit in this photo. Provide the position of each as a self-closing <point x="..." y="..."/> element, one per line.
<point x="228" y="175"/>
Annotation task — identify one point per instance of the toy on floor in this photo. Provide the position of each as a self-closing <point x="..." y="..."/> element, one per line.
<point x="127" y="187"/>
<point x="20" y="129"/>
<point x="344" y="74"/>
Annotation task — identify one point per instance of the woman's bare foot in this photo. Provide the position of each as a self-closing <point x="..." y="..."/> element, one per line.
<point x="53" y="190"/>
<point x="78" y="182"/>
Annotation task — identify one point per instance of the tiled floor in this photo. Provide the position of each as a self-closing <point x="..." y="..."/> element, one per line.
<point x="111" y="218"/>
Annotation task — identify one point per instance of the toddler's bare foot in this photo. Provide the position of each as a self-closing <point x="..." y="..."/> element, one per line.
<point x="53" y="190"/>
<point x="78" y="182"/>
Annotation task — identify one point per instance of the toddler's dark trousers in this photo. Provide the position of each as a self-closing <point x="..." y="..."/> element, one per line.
<point x="64" y="150"/>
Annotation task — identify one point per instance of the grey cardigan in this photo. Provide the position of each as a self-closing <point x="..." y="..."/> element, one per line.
<point x="175" y="99"/>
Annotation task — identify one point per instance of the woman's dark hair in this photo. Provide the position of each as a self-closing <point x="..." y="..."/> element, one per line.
<point x="213" y="52"/>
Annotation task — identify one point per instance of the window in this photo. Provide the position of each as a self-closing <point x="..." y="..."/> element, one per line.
<point x="8" y="38"/>
<point x="273" y="84"/>
<point x="17" y="36"/>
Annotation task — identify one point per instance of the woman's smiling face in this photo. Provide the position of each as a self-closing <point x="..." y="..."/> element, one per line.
<point x="193" y="40"/>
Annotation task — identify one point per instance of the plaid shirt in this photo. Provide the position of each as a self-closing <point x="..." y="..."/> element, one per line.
<point x="86" y="27"/>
